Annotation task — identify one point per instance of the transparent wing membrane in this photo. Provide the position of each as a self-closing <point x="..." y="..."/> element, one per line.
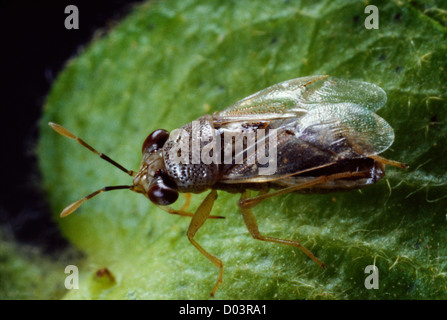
<point x="319" y="119"/>
<point x="333" y="91"/>
<point x="294" y="98"/>
<point x="325" y="135"/>
<point x="347" y="124"/>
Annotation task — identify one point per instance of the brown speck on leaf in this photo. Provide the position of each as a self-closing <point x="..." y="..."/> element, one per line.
<point x="104" y="273"/>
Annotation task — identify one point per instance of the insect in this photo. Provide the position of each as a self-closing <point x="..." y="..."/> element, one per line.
<point x="319" y="134"/>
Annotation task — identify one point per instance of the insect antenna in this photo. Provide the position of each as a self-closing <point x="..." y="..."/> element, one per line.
<point x="66" y="133"/>
<point x="72" y="207"/>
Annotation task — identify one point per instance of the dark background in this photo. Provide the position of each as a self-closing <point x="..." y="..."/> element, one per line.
<point x="35" y="47"/>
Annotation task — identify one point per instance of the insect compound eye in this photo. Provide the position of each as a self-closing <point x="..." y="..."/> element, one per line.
<point x="162" y="191"/>
<point x="155" y="141"/>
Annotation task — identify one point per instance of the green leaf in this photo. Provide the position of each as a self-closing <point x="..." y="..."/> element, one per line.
<point x="170" y="62"/>
<point x="28" y="273"/>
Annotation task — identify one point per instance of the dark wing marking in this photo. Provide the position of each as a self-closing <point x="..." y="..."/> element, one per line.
<point x="322" y="136"/>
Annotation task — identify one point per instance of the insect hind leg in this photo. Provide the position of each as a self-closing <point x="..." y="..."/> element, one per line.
<point x="252" y="226"/>
<point x="246" y="203"/>
<point x="389" y="162"/>
<point x="250" y="202"/>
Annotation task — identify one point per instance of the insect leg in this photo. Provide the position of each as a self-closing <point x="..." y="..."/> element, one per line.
<point x="202" y="213"/>
<point x="177" y="212"/>
<point x="252" y="227"/>
<point x="253" y="201"/>
<point x="187" y="201"/>
<point x="183" y="213"/>
<point x="389" y="162"/>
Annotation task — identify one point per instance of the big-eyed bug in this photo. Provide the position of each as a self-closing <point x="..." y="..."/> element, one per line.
<point x="326" y="138"/>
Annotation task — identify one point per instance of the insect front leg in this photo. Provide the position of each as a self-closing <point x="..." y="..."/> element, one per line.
<point x="182" y="212"/>
<point x="200" y="216"/>
<point x="187" y="201"/>
<point x="252" y="226"/>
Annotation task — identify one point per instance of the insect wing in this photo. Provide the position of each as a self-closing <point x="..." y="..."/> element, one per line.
<point x="334" y="91"/>
<point x="294" y="98"/>
<point x="324" y="135"/>
<point x="347" y="129"/>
